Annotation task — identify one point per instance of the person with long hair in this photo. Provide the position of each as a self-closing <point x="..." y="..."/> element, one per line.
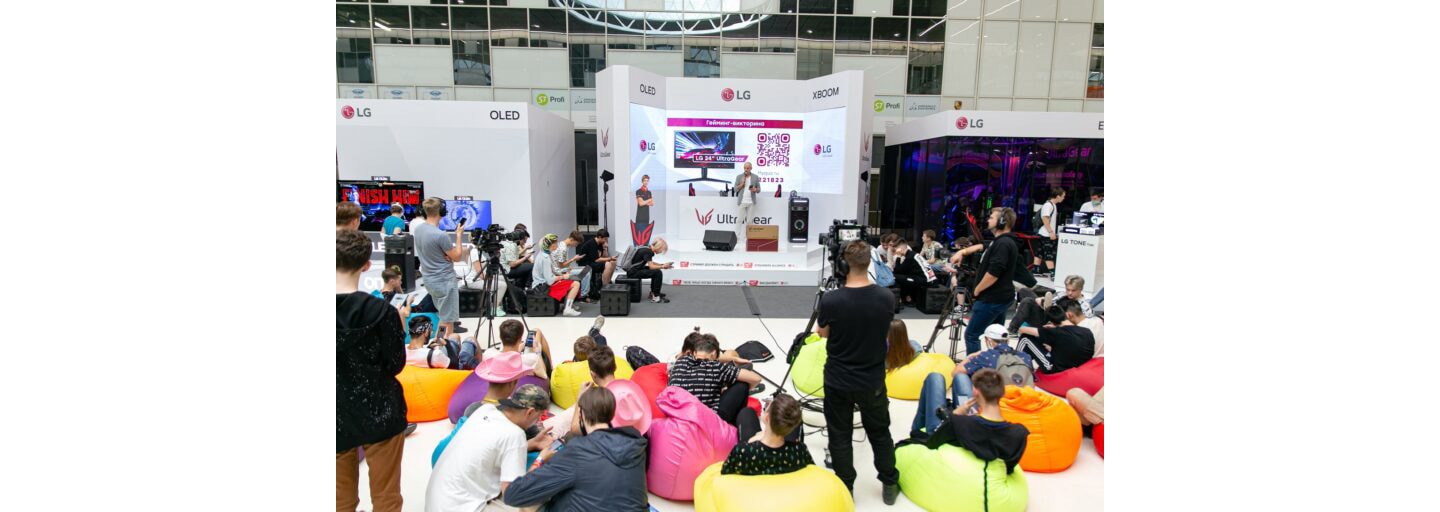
<point x="550" y="271"/>
<point x="900" y="350"/>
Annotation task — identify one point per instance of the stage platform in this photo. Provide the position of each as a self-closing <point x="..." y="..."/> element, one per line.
<point x="796" y="266"/>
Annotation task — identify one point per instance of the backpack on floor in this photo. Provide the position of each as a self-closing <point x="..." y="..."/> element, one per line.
<point x="638" y="357"/>
<point x="1014" y="370"/>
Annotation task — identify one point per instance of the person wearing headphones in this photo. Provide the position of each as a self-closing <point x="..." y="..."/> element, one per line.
<point x="437" y="253"/>
<point x="1000" y="267"/>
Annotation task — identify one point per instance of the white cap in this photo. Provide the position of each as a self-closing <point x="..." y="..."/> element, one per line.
<point x="996" y="332"/>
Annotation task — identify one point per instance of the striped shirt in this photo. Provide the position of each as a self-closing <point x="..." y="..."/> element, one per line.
<point x="704" y="379"/>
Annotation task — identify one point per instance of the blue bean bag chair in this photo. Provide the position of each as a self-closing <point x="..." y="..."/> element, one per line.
<point x="950" y="478"/>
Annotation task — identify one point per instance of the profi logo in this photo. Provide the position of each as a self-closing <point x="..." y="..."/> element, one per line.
<point x="963" y="122"/>
<point x="704" y="219"/>
<point x="822" y="149"/>
<point x="825" y="93"/>
<point x="728" y="94"/>
<point x="349" y="112"/>
<point x="647" y="89"/>
<point x="505" y="115"/>
<point x="882" y="105"/>
<point x="545" y="99"/>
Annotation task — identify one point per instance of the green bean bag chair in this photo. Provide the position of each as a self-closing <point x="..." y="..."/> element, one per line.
<point x="905" y="382"/>
<point x="808" y="372"/>
<point x="950" y="478"/>
<point x="565" y="381"/>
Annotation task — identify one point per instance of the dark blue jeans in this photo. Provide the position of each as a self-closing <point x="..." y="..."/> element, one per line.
<point x="982" y="314"/>
<point x="932" y="397"/>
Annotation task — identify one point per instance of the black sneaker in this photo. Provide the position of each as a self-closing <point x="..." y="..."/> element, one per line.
<point x="757" y="389"/>
<point x="459" y="329"/>
<point x="410" y="428"/>
<point x="889" y="493"/>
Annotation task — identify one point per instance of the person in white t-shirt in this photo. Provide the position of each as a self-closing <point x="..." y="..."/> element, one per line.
<point x="1049" y="230"/>
<point x="483" y="458"/>
<point x="1096" y="204"/>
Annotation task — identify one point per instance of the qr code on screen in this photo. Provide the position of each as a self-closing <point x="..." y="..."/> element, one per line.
<point x="772" y="150"/>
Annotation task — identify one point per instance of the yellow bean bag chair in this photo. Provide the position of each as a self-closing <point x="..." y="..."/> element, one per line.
<point x="811" y="489"/>
<point x="950" y="478"/>
<point x="905" y="382"/>
<point x="428" y="391"/>
<point x="1054" y="426"/>
<point x="565" y="381"/>
<point x="808" y="372"/>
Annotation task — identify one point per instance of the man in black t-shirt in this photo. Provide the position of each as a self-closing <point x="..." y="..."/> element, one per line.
<point x="1062" y="344"/>
<point x="591" y="253"/>
<point x="642" y="266"/>
<point x="1000" y="267"/>
<point x="855" y="319"/>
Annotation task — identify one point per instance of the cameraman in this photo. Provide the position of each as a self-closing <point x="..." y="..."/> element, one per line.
<point x="437" y="254"/>
<point x="1000" y="267"/>
<point x="856" y="319"/>
<point x="517" y="266"/>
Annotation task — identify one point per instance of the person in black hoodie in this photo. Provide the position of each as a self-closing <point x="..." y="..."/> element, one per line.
<point x="909" y="275"/>
<point x="369" y="404"/>
<point x="984" y="433"/>
<point x="1000" y="268"/>
<point x="604" y="469"/>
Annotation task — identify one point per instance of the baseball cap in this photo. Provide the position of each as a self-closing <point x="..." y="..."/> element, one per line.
<point x="996" y="332"/>
<point x="528" y="396"/>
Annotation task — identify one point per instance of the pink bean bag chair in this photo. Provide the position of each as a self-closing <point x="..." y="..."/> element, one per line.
<point x="1099" y="437"/>
<point x="1089" y="377"/>
<point x="688" y="439"/>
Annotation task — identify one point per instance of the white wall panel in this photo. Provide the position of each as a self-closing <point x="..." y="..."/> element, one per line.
<point x="1029" y="105"/>
<point x="414" y="65"/>
<point x="1099" y="15"/>
<point x="887" y="72"/>
<point x="1075" y="10"/>
<point x="875" y="7"/>
<point x="660" y="63"/>
<point x="529" y="3"/>
<point x="962" y="50"/>
<point x="1072" y="60"/>
<point x="758" y="65"/>
<point x="993" y="104"/>
<point x="1095" y="105"/>
<point x="1032" y="65"/>
<point x="1002" y="9"/>
<point x="520" y="95"/>
<point x="1037" y="10"/>
<point x="356" y="91"/>
<point x="434" y="93"/>
<point x="998" y="46"/>
<point x="530" y="67"/>
<point x="395" y="92"/>
<point x="1066" y="105"/>
<point x="474" y="94"/>
<point x="967" y="9"/>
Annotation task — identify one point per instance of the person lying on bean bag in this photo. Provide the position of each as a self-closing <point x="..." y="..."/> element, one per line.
<point x="1062" y="344"/>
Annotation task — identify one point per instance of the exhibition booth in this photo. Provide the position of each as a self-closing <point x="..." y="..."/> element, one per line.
<point x="673" y="148"/>
<point x="497" y="162"/>
<point x="945" y="171"/>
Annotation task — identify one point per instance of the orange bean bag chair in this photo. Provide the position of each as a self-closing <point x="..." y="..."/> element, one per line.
<point x="1099" y="435"/>
<point x="652" y="378"/>
<point x="428" y="391"/>
<point x="1089" y="377"/>
<point x="1054" y="428"/>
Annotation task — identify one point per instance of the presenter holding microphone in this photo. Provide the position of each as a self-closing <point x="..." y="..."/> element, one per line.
<point x="746" y="186"/>
<point x="855" y="319"/>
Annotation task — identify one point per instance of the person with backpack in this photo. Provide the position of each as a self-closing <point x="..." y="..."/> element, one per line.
<point x="1047" y="225"/>
<point x="976" y="425"/>
<point x="1014" y="367"/>
<point x="1000" y="267"/>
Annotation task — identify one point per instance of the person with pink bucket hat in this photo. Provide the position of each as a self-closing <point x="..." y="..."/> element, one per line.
<point x="502" y="372"/>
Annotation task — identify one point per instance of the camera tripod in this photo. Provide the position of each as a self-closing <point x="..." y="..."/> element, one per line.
<point x="953" y="313"/>
<point x="489" y="301"/>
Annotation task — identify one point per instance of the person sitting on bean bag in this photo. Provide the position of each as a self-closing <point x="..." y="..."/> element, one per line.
<point x="774" y="445"/>
<point x="900" y="349"/>
<point x="1090" y="408"/>
<point x="603" y="469"/>
<point x="996" y="346"/>
<point x="720" y="386"/>
<point x="632" y="408"/>
<point x="487" y="457"/>
<point x="512" y="339"/>
<point x="976" y="425"/>
<point x="1062" y="344"/>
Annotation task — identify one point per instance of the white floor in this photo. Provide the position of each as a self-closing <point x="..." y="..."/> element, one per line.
<point x="1079" y="488"/>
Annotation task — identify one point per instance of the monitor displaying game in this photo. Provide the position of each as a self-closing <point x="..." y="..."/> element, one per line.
<point x="375" y="198"/>
<point x="475" y="212"/>
<point x="713" y="150"/>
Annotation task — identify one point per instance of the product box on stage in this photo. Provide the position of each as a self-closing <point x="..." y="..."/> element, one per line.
<point x="762" y="245"/>
<point x="762" y="232"/>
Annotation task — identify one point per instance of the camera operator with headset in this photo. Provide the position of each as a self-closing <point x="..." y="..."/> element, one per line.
<point x="1000" y="266"/>
<point x="855" y="318"/>
<point x="437" y="255"/>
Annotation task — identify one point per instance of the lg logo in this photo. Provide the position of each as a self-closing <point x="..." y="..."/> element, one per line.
<point x="963" y="122"/>
<point x="822" y="149"/>
<point x="647" y="89"/>
<point x="644" y="145"/>
<point x="826" y="93"/>
<point x="506" y="115"/>
<point x="348" y="112"/>
<point x="729" y="95"/>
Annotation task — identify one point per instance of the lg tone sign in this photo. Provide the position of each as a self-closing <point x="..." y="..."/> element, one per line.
<point x="729" y="94"/>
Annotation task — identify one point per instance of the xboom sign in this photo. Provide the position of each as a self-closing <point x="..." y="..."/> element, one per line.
<point x="825" y="93"/>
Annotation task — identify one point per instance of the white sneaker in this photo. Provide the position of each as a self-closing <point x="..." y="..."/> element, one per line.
<point x="499" y="313"/>
<point x="571" y="312"/>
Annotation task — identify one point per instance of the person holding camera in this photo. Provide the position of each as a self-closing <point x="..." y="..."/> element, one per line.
<point x="855" y="318"/>
<point x="437" y="254"/>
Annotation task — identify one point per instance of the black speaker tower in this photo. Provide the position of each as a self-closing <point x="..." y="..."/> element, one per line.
<point x="799" y="219"/>
<point x="400" y="251"/>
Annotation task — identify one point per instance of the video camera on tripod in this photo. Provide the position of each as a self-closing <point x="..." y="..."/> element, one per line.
<point x="488" y="240"/>
<point x="841" y="232"/>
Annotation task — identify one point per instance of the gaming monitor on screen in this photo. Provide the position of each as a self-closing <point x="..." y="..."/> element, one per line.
<point x="710" y="150"/>
<point x="476" y="214"/>
<point x="375" y="198"/>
